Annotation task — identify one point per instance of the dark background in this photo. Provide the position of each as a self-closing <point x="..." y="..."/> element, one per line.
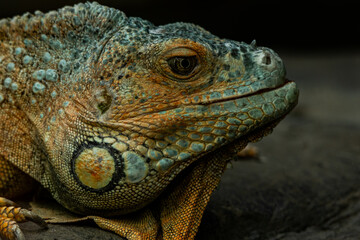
<point x="295" y="25"/>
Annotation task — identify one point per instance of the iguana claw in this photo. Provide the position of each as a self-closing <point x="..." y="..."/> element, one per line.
<point x="10" y="216"/>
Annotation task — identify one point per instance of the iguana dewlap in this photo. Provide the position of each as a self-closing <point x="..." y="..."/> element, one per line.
<point x="127" y="122"/>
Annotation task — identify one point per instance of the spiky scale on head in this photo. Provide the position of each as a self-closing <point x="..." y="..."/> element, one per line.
<point x="121" y="106"/>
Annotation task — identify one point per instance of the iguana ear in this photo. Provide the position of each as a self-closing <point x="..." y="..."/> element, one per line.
<point x="102" y="100"/>
<point x="20" y="143"/>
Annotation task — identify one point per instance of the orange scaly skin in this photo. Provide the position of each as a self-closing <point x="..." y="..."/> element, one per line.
<point x="116" y="117"/>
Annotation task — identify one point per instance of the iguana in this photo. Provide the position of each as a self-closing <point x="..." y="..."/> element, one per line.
<point x="125" y="122"/>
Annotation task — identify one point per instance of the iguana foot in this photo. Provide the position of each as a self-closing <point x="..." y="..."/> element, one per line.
<point x="10" y="216"/>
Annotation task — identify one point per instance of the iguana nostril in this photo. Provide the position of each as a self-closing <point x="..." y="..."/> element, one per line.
<point x="266" y="59"/>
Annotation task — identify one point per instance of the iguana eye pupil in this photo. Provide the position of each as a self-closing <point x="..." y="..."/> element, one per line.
<point x="183" y="65"/>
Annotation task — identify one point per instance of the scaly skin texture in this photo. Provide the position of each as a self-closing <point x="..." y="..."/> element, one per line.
<point x="105" y="111"/>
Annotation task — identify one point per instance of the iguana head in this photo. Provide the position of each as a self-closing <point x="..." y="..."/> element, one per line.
<point x="163" y="97"/>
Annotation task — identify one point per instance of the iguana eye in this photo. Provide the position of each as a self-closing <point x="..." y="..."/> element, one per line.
<point x="183" y="65"/>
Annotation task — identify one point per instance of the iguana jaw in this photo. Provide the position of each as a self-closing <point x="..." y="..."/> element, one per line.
<point x="265" y="126"/>
<point x="229" y="150"/>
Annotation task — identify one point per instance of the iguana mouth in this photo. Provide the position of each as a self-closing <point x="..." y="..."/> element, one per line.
<point x="264" y="129"/>
<point x="286" y="81"/>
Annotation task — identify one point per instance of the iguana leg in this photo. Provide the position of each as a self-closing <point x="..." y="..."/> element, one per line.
<point x="10" y="216"/>
<point x="6" y="202"/>
<point x="13" y="183"/>
<point x="9" y="230"/>
<point x="19" y="215"/>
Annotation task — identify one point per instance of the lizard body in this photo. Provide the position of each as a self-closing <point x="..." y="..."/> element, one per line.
<point x="105" y="111"/>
